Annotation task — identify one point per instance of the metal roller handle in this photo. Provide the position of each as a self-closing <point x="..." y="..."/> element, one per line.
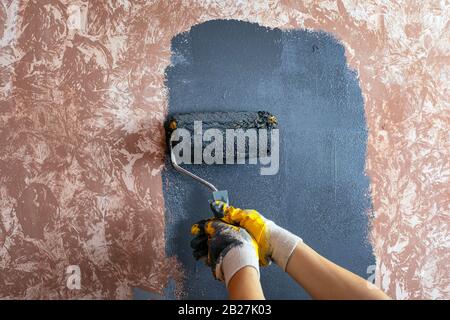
<point x="188" y="173"/>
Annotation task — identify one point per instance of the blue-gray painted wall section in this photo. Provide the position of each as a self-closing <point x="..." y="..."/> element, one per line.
<point x="321" y="190"/>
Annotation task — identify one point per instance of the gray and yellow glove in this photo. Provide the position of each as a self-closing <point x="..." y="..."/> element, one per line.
<point x="274" y="242"/>
<point x="226" y="248"/>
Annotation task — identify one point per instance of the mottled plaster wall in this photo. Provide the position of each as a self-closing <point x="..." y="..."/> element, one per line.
<point x="81" y="117"/>
<point x="81" y="150"/>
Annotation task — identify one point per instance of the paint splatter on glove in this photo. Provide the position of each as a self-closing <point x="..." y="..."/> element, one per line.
<point x="226" y="248"/>
<point x="274" y="242"/>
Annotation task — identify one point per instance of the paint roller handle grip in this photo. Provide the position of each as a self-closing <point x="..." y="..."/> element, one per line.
<point x="275" y="243"/>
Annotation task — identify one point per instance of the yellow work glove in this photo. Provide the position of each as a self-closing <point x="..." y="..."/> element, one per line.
<point x="225" y="248"/>
<point x="274" y="242"/>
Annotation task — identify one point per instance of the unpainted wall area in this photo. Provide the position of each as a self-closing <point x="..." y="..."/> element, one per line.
<point x="320" y="191"/>
<point x="81" y="146"/>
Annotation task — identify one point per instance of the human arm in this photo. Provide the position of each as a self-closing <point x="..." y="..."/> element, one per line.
<point x="323" y="279"/>
<point x="245" y="285"/>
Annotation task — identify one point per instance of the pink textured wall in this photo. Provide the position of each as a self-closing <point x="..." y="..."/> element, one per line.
<point x="81" y="151"/>
<point x="81" y="136"/>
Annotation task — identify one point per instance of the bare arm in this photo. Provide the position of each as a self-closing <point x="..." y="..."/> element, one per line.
<point x="323" y="279"/>
<point x="245" y="285"/>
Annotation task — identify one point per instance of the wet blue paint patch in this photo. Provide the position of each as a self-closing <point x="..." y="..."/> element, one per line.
<point x="320" y="191"/>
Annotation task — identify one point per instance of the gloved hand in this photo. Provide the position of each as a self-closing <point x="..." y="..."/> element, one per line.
<point x="274" y="242"/>
<point x="226" y="248"/>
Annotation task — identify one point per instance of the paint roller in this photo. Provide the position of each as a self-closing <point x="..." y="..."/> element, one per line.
<point x="226" y="135"/>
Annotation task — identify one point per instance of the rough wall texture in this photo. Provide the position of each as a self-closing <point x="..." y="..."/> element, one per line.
<point x="81" y="148"/>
